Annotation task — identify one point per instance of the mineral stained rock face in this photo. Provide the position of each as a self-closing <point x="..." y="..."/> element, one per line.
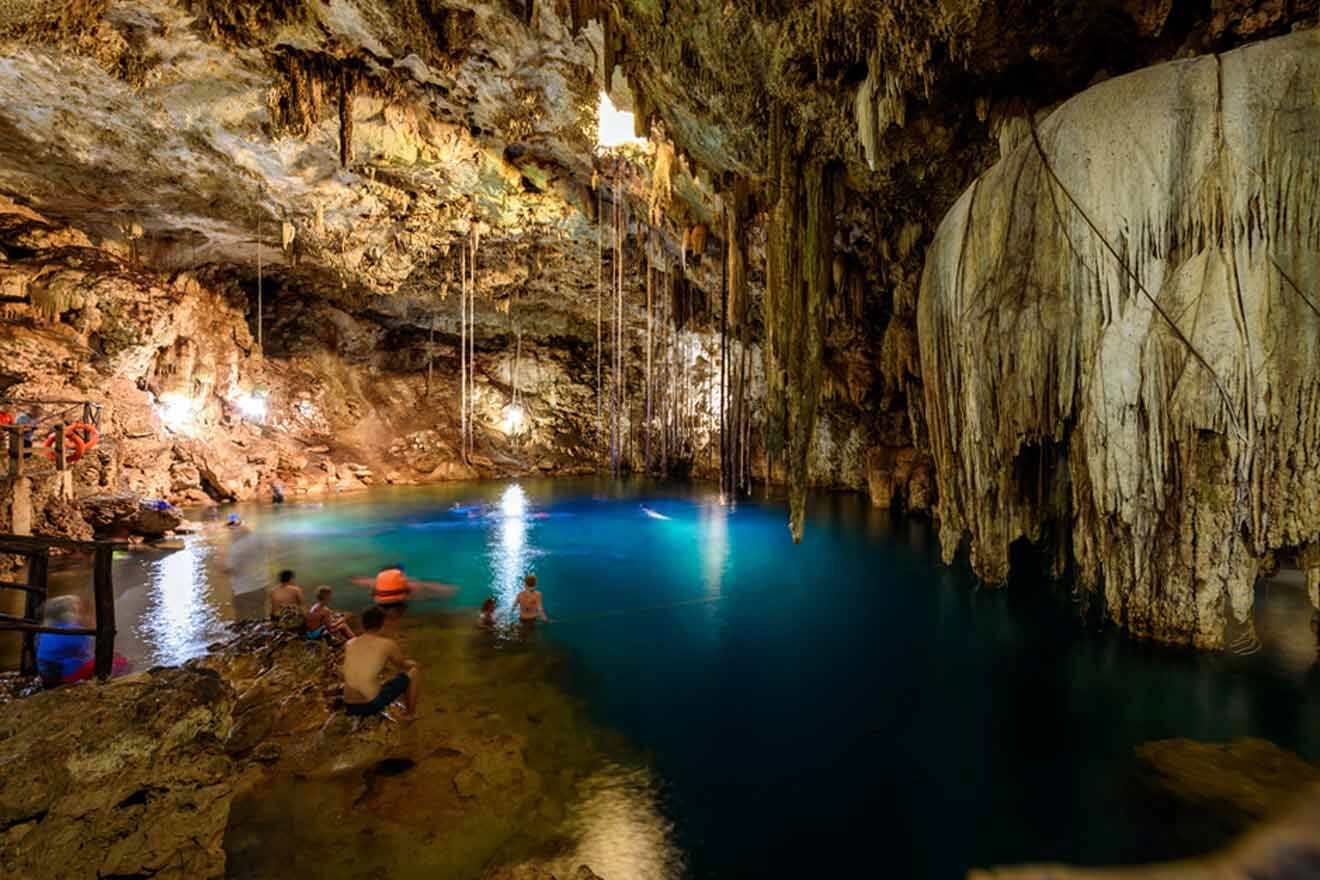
<point x="1117" y="327"/>
<point x="126" y="779"/>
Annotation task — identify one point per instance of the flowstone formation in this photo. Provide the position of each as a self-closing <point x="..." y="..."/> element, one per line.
<point x="1116" y="325"/>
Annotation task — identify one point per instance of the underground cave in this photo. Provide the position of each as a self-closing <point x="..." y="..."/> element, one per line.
<point x="660" y="439"/>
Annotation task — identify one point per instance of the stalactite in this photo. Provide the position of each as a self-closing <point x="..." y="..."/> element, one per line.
<point x="462" y="350"/>
<point x="649" y="379"/>
<point x="345" y="117"/>
<point x="615" y="395"/>
<point x="600" y="295"/>
<point x="798" y="282"/>
<point x="725" y="459"/>
<point x="473" y="239"/>
<point x="737" y="312"/>
<point x="662" y="184"/>
<point x="666" y="384"/>
<point x="260" y="301"/>
<point x="430" y="356"/>
<point x="619" y="329"/>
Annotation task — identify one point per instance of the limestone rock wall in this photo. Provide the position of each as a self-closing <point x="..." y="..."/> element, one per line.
<point x="1118" y="327"/>
<point x="129" y="779"/>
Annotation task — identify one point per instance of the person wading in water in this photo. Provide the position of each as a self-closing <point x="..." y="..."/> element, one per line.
<point x="529" y="605"/>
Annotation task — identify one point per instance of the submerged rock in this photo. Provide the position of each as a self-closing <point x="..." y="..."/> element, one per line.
<point x="1201" y="794"/>
<point x="1285" y="848"/>
<point x="1215" y="791"/>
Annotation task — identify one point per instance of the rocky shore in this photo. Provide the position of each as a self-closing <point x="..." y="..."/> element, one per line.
<point x="179" y="772"/>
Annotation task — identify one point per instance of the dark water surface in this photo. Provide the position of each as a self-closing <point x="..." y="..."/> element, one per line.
<point x="848" y="704"/>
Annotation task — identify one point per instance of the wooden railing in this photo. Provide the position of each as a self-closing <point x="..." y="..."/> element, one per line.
<point x="37" y="552"/>
<point x="22" y="440"/>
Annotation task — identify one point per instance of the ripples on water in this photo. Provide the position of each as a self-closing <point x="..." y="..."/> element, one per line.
<point x="800" y="708"/>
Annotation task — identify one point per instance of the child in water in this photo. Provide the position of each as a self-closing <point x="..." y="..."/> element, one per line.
<point x="530" y="606"/>
<point x="486" y="620"/>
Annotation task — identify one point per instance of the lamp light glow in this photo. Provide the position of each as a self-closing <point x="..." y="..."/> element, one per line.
<point x="514" y="419"/>
<point x="176" y="411"/>
<point x="253" y="405"/>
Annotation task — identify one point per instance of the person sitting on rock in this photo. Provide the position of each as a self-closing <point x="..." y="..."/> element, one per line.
<point x="324" y="621"/>
<point x="65" y="659"/>
<point x="365" y="657"/>
<point x="286" y="604"/>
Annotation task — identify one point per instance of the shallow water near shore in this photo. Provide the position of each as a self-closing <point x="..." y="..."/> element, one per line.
<point x="713" y="701"/>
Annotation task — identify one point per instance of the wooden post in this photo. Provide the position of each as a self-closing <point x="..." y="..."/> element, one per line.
<point x="104" y="593"/>
<point x="15" y="449"/>
<point x="61" y="459"/>
<point x="38" y="566"/>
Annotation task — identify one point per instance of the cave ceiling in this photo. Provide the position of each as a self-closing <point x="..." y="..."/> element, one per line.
<point x="177" y="133"/>
<point x="182" y="132"/>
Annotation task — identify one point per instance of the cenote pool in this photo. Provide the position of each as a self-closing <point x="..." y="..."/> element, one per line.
<point x="846" y="705"/>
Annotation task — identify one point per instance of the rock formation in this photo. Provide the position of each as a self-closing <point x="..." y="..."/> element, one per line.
<point x="1113" y="322"/>
<point x="123" y="780"/>
<point x="209" y="202"/>
<point x="180" y="772"/>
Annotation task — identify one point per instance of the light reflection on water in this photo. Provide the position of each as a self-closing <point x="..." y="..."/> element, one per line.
<point x="181" y="617"/>
<point x="618" y="829"/>
<point x="508" y="551"/>
<point x="714" y="545"/>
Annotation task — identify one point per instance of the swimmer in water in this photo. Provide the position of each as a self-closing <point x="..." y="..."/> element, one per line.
<point x="391" y="588"/>
<point x="652" y="514"/>
<point x="234" y="521"/>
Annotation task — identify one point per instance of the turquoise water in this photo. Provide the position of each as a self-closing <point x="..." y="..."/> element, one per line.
<point x="848" y="704"/>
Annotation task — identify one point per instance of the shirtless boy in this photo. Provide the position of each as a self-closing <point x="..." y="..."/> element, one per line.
<point x="528" y="601"/>
<point x="286" y="603"/>
<point x="322" y="620"/>
<point x="364" y="659"/>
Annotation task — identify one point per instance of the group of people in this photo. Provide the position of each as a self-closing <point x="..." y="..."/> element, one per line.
<point x="374" y="650"/>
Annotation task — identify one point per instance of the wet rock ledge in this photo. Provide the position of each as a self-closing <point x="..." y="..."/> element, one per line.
<point x="137" y="776"/>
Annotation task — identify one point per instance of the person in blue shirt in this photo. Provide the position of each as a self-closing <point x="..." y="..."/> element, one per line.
<point x="65" y="659"/>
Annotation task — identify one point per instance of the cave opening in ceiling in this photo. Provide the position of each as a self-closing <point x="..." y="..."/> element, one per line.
<point x="614" y="127"/>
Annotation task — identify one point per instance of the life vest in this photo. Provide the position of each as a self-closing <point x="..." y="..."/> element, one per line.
<point x="391" y="586"/>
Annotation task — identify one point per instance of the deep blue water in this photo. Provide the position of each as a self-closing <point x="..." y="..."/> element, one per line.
<point x="844" y="705"/>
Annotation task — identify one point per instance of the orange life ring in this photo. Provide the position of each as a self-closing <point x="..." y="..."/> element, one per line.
<point x="79" y="447"/>
<point x="90" y="436"/>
